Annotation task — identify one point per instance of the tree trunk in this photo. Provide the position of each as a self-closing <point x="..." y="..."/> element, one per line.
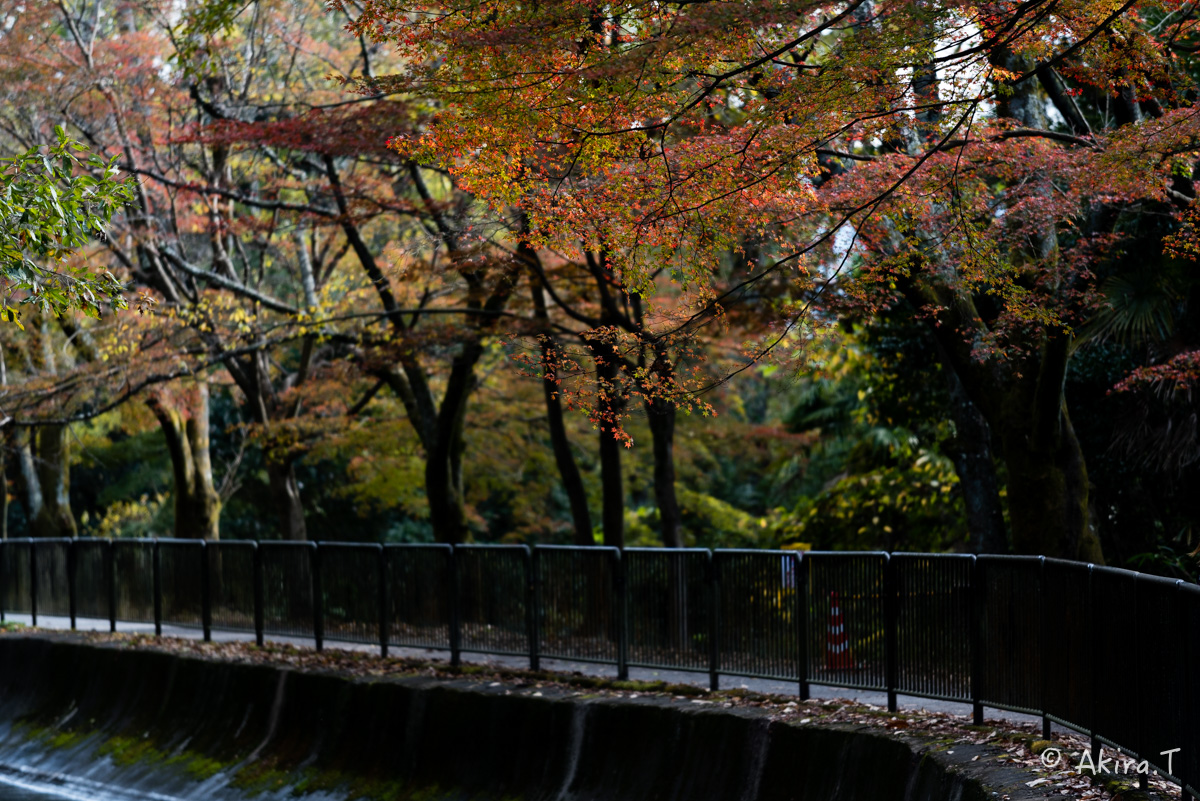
<point x="285" y="493"/>
<point x="660" y="414"/>
<point x="443" y="489"/>
<point x="45" y="455"/>
<point x="613" y="517"/>
<point x="444" y="450"/>
<point x="252" y="377"/>
<point x="613" y="486"/>
<point x="197" y="504"/>
<point x="1048" y="494"/>
<point x="441" y="435"/>
<point x="564" y="458"/>
<point x="45" y="481"/>
<point x="22" y="441"/>
<point x="207" y="503"/>
<point x="971" y="451"/>
<point x="54" y="475"/>
<point x="1022" y="402"/>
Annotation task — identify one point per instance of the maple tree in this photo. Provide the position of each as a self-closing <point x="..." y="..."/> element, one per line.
<point x="976" y="162"/>
<point x="114" y="89"/>
<point x="268" y="232"/>
<point x="585" y="314"/>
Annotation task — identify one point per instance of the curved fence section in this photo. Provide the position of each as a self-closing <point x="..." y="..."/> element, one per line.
<point x="1111" y="653"/>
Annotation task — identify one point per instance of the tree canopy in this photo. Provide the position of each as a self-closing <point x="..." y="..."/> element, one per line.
<point x="913" y="274"/>
<point x="935" y="155"/>
<point x="53" y="203"/>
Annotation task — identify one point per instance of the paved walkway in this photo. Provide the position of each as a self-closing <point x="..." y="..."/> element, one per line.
<point x="555" y="665"/>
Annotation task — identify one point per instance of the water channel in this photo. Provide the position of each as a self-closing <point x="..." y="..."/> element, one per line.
<point x="9" y="792"/>
<point x="15" y="786"/>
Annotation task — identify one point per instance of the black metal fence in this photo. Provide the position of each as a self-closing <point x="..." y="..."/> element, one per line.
<point x="1111" y="653"/>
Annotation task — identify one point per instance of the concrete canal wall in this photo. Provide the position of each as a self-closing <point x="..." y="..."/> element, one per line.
<point x="138" y="723"/>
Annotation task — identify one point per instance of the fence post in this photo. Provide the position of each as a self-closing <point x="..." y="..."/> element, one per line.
<point x="533" y="599"/>
<point x="976" y="600"/>
<point x="156" y="570"/>
<point x="33" y="583"/>
<point x="1044" y="647"/>
<point x="258" y="596"/>
<point x="714" y="623"/>
<point x="383" y="601"/>
<point x="318" y="598"/>
<point x="110" y="568"/>
<point x="622" y="589"/>
<point x="802" y="625"/>
<point x="890" y="623"/>
<point x="452" y="592"/>
<point x="205" y="592"/>
<point x="72" y="599"/>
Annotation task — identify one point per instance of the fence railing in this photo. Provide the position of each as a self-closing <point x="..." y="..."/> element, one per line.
<point x="1111" y="653"/>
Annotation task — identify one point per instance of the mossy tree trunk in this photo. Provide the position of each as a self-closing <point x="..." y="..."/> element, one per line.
<point x="1020" y="396"/>
<point x="186" y="430"/>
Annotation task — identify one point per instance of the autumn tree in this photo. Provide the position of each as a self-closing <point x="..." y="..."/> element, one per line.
<point x="659" y="133"/>
<point x="633" y="371"/>
<point x="178" y="247"/>
<point x="269" y="225"/>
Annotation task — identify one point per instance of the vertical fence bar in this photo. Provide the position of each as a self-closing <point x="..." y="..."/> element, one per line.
<point x="533" y="596"/>
<point x="455" y="608"/>
<point x="383" y="602"/>
<point x="318" y="597"/>
<point x="259" y="599"/>
<point x="205" y="592"/>
<point x="1044" y="647"/>
<point x="33" y="583"/>
<point x="976" y="645"/>
<point x="802" y="626"/>
<point x="72" y="595"/>
<point x="714" y="617"/>
<point x="890" y="624"/>
<point x="110" y="568"/>
<point x="156" y="570"/>
<point x="622" y="590"/>
<point x="1093" y="648"/>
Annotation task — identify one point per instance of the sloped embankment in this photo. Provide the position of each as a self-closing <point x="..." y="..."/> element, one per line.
<point x="156" y="723"/>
